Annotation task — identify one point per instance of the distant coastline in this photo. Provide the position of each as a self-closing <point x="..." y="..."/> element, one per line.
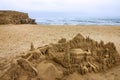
<point x="15" y="17"/>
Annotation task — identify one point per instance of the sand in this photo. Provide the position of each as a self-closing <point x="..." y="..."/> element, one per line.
<point x="15" y="39"/>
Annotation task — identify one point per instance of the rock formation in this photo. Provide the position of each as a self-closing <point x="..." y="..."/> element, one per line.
<point x="14" y="17"/>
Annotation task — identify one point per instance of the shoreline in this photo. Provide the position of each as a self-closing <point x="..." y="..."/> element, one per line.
<point x="63" y="25"/>
<point x="75" y="25"/>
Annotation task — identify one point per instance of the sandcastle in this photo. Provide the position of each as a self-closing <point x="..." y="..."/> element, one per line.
<point x="82" y="55"/>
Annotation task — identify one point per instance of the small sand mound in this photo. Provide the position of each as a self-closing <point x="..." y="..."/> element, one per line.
<point x="48" y="71"/>
<point x="74" y="76"/>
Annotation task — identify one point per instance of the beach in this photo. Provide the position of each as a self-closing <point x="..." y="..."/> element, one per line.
<point x="15" y="39"/>
<point x="60" y="40"/>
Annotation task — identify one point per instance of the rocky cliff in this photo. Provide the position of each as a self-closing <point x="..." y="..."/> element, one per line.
<point x="14" y="17"/>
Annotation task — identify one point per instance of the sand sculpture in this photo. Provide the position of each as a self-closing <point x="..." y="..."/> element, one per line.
<point x="14" y="17"/>
<point x="82" y="55"/>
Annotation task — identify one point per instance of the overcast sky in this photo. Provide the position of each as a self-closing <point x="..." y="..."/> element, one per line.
<point x="71" y="7"/>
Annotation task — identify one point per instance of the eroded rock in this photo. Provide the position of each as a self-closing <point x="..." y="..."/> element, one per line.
<point x="15" y="17"/>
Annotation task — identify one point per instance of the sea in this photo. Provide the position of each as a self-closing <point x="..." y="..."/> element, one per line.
<point x="79" y="21"/>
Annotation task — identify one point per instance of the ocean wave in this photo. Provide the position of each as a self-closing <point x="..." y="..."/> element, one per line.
<point x="79" y="21"/>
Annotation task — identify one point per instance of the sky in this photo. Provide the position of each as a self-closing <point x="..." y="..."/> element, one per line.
<point x="37" y="8"/>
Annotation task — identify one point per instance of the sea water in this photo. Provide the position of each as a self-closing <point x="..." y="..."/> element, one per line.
<point x="78" y="21"/>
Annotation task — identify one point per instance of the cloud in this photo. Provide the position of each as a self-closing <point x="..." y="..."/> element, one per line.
<point x="80" y="6"/>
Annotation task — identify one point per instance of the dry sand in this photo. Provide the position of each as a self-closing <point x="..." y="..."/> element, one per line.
<point x="15" y="39"/>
